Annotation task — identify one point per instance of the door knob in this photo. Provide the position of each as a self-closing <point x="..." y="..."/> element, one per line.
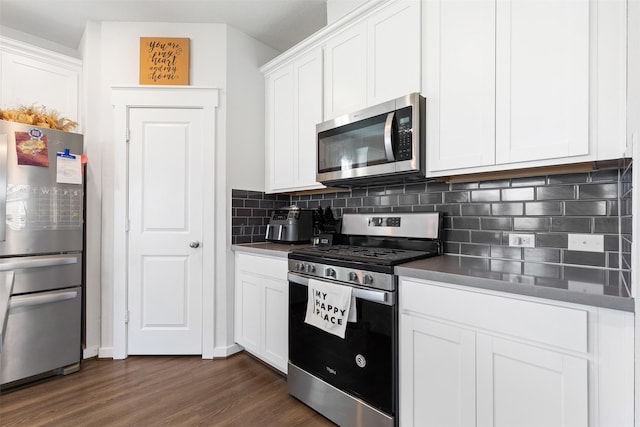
<point x="194" y="244"/>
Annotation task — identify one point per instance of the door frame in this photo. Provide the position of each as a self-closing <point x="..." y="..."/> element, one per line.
<point x="124" y="98"/>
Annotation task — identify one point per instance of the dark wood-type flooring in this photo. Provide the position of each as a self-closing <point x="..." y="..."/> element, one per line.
<point x="160" y="391"/>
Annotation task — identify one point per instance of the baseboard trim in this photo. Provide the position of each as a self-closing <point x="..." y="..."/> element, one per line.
<point x="105" y="352"/>
<point x="223" y="352"/>
<point x="90" y="352"/>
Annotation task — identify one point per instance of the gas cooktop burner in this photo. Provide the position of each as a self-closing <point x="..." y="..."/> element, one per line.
<point x="386" y="256"/>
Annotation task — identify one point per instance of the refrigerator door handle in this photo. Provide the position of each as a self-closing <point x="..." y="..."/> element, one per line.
<point x="3" y="187"/>
<point x="17" y="264"/>
<point x="31" y="300"/>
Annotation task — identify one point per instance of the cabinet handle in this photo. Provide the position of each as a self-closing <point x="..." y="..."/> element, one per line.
<point x="31" y="300"/>
<point x="39" y="262"/>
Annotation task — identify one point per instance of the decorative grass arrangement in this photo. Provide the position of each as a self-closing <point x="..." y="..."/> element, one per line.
<point x="38" y="116"/>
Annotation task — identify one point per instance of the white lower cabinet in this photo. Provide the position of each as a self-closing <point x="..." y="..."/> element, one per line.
<point x="523" y="385"/>
<point x="261" y="307"/>
<point x="437" y="373"/>
<point x="481" y="358"/>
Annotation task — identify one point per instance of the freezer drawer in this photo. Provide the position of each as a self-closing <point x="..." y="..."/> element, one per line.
<point x="44" y="273"/>
<point x="43" y="333"/>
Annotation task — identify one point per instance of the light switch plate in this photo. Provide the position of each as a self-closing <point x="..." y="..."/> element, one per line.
<point x="586" y="242"/>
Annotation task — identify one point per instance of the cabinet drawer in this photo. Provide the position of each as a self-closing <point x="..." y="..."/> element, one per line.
<point x="263" y="266"/>
<point x="543" y="323"/>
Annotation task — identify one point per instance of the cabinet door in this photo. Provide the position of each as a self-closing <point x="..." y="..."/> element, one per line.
<point x="308" y="113"/>
<point x="394" y="51"/>
<point x="345" y="72"/>
<point x="275" y="323"/>
<point x="459" y="83"/>
<point x="437" y="374"/>
<point x="280" y="129"/>
<point x="28" y="81"/>
<point x="542" y="79"/>
<point x="522" y="385"/>
<point x="249" y="315"/>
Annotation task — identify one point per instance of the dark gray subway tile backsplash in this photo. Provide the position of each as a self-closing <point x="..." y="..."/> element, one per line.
<point x="250" y="214"/>
<point x="480" y="215"/>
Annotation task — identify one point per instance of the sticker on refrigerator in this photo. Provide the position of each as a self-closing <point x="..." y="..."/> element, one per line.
<point x="69" y="168"/>
<point x="31" y="148"/>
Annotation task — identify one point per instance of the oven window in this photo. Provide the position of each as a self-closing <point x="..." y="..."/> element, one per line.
<point x="352" y="146"/>
<point x="362" y="364"/>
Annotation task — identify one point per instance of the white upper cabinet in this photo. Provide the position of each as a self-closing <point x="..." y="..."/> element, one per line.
<point x="373" y="60"/>
<point x="523" y="83"/>
<point x="460" y="83"/>
<point x="370" y="56"/>
<point x="36" y="77"/>
<point x="279" y="126"/>
<point x="393" y="52"/>
<point x="307" y="114"/>
<point x="542" y="79"/>
<point x="345" y="72"/>
<point x="293" y="108"/>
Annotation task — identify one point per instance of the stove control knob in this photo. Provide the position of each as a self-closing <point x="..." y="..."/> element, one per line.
<point x="367" y="279"/>
<point x="353" y="277"/>
<point x="330" y="272"/>
<point x="300" y="266"/>
<point x="311" y="268"/>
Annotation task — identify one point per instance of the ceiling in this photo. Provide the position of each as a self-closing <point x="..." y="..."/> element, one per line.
<point x="277" y="23"/>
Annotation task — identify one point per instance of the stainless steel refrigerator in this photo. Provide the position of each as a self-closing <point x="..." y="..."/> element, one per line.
<point x="41" y="240"/>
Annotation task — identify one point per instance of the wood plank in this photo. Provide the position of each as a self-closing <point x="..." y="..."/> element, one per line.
<point x="160" y="390"/>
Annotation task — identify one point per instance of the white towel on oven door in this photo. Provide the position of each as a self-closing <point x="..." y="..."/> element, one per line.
<point x="330" y="307"/>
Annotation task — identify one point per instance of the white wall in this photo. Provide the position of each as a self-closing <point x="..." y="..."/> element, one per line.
<point x="633" y="140"/>
<point x="244" y="161"/>
<point x="220" y="57"/>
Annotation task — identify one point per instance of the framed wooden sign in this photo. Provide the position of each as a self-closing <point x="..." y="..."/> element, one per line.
<point x="164" y="61"/>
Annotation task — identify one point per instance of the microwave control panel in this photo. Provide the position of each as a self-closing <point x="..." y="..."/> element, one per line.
<point x="405" y="134"/>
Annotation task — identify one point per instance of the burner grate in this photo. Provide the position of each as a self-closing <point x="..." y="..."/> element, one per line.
<point x="388" y="256"/>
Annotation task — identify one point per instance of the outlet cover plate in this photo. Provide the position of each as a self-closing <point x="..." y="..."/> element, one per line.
<point x="586" y="242"/>
<point x="522" y="240"/>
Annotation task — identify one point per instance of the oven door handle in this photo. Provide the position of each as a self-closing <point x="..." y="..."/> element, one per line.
<point x="382" y="297"/>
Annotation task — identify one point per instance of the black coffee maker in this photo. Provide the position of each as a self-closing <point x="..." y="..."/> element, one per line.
<point x="326" y="228"/>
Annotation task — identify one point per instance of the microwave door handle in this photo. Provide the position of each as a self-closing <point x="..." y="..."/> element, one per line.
<point x="388" y="142"/>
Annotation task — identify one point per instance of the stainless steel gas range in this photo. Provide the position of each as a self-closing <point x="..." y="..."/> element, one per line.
<point x="343" y="352"/>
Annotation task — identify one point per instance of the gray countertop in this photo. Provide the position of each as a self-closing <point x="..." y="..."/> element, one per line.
<point x="6" y="287"/>
<point x="580" y="285"/>
<point x="268" y="248"/>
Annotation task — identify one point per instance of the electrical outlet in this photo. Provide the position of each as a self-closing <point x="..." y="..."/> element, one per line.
<point x="586" y="242"/>
<point x="522" y="240"/>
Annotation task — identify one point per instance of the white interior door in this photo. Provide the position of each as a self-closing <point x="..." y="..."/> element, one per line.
<point x="165" y="229"/>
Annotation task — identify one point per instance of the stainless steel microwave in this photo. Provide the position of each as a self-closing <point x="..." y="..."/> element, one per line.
<point x="381" y="143"/>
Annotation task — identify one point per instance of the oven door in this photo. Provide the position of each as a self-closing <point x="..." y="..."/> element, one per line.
<point x="364" y="363"/>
